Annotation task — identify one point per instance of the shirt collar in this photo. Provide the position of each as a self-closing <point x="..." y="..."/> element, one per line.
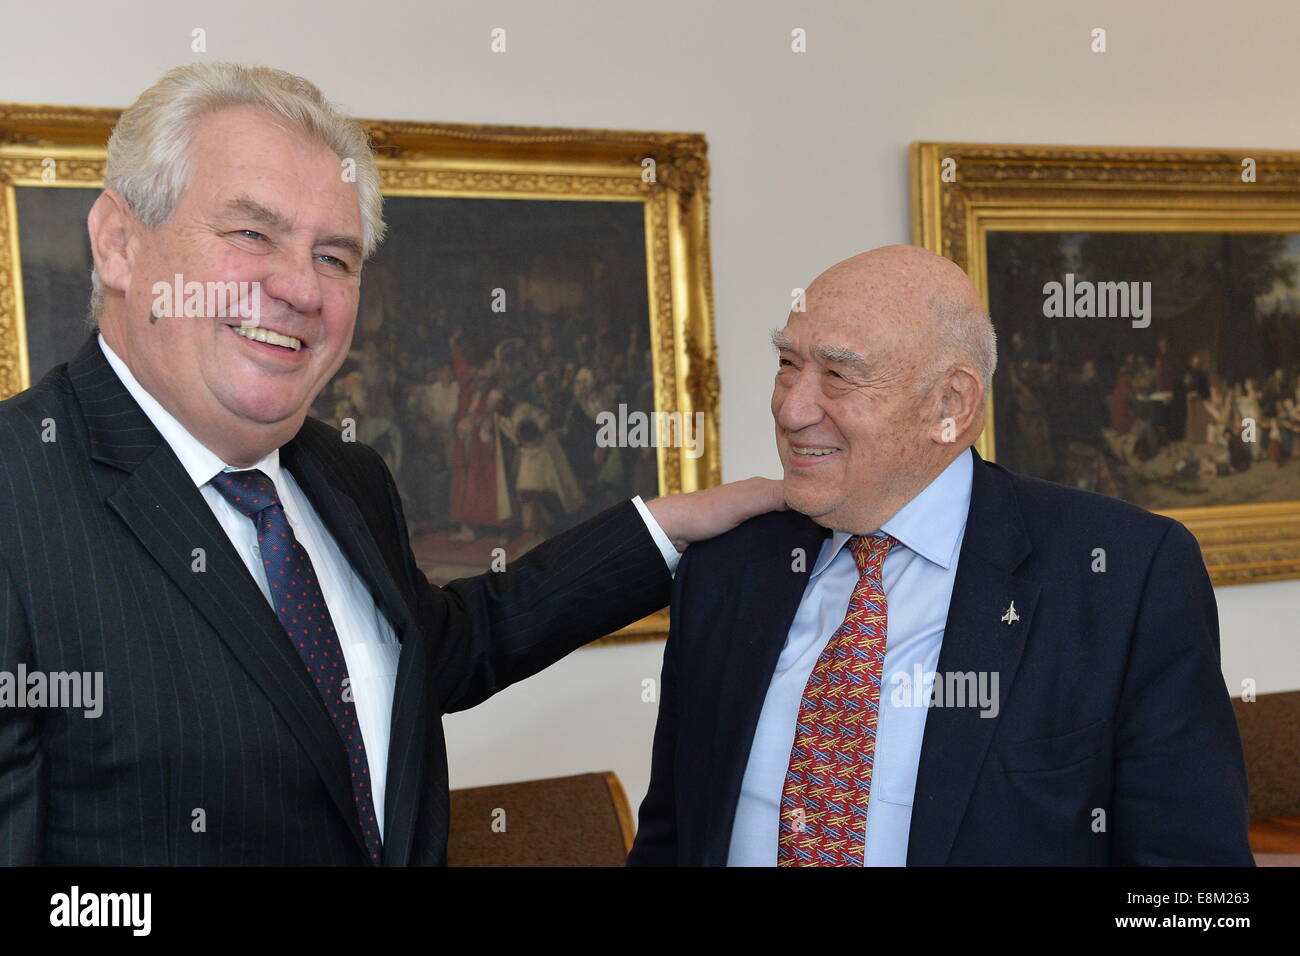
<point x="199" y="462"/>
<point x="931" y="524"/>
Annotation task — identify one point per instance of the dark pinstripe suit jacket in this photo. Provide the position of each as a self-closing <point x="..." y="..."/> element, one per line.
<point x="206" y="705"/>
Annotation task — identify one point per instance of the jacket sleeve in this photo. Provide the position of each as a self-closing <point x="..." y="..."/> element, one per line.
<point x="656" y="836"/>
<point x="1180" y="780"/>
<point x="22" y="789"/>
<point x="489" y="631"/>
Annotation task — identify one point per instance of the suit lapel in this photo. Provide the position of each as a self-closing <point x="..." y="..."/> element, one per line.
<point x="771" y="587"/>
<point x="310" y="466"/>
<point x="160" y="505"/>
<point x="308" y="463"/>
<point x="163" y="509"/>
<point x="976" y="639"/>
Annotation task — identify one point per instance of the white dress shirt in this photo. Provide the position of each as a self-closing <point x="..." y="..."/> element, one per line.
<point x="370" y="647"/>
<point x="917" y="576"/>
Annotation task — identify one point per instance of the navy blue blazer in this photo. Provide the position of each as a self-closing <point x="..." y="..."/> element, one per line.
<point x="1111" y="693"/>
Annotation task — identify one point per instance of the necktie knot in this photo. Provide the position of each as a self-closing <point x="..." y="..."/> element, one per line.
<point x="869" y="551"/>
<point x="250" y="491"/>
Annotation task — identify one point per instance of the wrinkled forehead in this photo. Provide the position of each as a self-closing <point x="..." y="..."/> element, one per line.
<point x="866" y="320"/>
<point x="244" y="152"/>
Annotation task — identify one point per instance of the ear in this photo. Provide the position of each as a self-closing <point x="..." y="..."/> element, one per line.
<point x="961" y="405"/>
<point x="111" y="225"/>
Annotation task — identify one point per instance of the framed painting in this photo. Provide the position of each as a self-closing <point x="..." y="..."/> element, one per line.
<point x="1147" y="305"/>
<point x="534" y="340"/>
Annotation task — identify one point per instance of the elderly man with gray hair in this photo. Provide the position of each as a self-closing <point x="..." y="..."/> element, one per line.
<point x="930" y="660"/>
<point x="275" y="666"/>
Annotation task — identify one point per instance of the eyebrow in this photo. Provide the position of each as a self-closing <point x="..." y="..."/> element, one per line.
<point x="252" y="209"/>
<point x="839" y="354"/>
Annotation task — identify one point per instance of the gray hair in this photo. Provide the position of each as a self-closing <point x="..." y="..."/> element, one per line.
<point x="149" y="161"/>
<point x="965" y="332"/>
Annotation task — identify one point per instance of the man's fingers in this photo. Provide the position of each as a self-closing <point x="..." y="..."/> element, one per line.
<point x="713" y="511"/>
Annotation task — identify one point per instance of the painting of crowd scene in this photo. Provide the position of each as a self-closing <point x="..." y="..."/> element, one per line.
<point x="1197" y="404"/>
<point x="490" y="336"/>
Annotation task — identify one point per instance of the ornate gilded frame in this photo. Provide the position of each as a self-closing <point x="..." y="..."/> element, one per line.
<point x="1053" y="188"/>
<point x="468" y="161"/>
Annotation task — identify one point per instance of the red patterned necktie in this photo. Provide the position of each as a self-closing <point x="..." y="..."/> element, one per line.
<point x="824" y="802"/>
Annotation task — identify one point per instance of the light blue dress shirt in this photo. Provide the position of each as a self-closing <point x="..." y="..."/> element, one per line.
<point x="918" y="577"/>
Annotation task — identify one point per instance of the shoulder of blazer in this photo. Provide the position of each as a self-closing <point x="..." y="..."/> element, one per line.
<point x="24" y="422"/>
<point x="772" y="534"/>
<point x="1054" y="512"/>
<point x="43" y="437"/>
<point x="51" y="395"/>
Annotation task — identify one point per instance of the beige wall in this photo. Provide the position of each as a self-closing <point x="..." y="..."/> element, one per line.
<point x="810" y="165"/>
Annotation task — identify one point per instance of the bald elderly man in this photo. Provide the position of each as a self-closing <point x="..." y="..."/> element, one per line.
<point x="924" y="662"/>
<point x="233" y="575"/>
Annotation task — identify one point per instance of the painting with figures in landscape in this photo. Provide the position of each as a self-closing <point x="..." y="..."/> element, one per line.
<point x="1195" y="403"/>
<point x="1147" y="307"/>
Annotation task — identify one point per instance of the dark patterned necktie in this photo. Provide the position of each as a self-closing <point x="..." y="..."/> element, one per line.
<point x="300" y="606"/>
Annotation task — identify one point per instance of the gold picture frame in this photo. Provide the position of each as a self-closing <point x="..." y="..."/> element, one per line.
<point x="667" y="173"/>
<point x="964" y="192"/>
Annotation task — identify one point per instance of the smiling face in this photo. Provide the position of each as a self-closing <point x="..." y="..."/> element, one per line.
<point x="858" y="406"/>
<point x="264" y="207"/>
<point x="846" y="430"/>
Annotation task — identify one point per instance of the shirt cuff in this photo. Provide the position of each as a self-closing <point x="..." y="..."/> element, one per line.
<point x="671" y="555"/>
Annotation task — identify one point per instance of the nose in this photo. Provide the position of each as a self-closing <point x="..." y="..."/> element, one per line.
<point x="796" y="406"/>
<point x="295" y="281"/>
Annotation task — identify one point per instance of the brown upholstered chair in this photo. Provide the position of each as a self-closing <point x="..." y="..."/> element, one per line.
<point x="1270" y="738"/>
<point x="583" y="820"/>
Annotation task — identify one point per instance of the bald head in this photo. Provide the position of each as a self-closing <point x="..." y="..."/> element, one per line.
<point x="881" y="383"/>
<point x="921" y="302"/>
<point x="902" y="273"/>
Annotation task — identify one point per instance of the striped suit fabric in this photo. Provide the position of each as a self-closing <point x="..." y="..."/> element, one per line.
<point x="213" y="747"/>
